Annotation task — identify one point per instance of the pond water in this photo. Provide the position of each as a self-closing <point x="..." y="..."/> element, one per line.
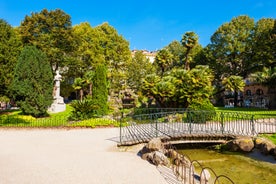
<point x="241" y="168"/>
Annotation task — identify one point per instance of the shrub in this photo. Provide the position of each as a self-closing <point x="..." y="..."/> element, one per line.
<point x="32" y="86"/>
<point x="84" y="109"/>
<point x="100" y="91"/>
<point x="200" y="112"/>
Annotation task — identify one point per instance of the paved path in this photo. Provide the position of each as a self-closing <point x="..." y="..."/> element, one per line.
<point x="79" y="156"/>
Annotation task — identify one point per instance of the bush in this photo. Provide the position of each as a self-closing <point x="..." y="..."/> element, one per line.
<point x="100" y="91"/>
<point x="84" y="109"/>
<point x="200" y="112"/>
<point x="32" y="86"/>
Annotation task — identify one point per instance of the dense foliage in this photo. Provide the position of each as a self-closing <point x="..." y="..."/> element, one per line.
<point x="180" y="87"/>
<point x="51" y="32"/>
<point x="10" y="47"/>
<point x="96" y="61"/>
<point x="100" y="91"/>
<point x="33" y="82"/>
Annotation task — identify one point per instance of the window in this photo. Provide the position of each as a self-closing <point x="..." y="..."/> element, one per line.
<point x="259" y="92"/>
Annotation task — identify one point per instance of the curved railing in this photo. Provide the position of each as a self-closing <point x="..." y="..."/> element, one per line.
<point x="176" y="124"/>
<point x="190" y="171"/>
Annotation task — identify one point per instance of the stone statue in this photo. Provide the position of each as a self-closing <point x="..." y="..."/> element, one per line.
<point x="58" y="105"/>
<point x="57" y="80"/>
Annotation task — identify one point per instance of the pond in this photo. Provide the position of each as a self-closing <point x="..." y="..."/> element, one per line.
<point x="241" y="168"/>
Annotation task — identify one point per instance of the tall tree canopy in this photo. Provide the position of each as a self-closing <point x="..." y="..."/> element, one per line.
<point x="32" y="86"/>
<point x="89" y="51"/>
<point x="116" y="55"/>
<point x="138" y="68"/>
<point x="263" y="53"/>
<point x="229" y="46"/>
<point x="50" y="31"/>
<point x="10" y="47"/>
<point x="178" y="52"/>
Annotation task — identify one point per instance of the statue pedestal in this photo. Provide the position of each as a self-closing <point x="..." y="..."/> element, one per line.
<point x="58" y="105"/>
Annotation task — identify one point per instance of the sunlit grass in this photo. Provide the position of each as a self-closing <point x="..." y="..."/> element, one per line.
<point x="257" y="112"/>
<point x="16" y="119"/>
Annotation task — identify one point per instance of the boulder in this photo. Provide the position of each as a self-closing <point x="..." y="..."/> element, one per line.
<point x="155" y="144"/>
<point x="244" y="144"/>
<point x="265" y="146"/>
<point x="156" y="158"/>
<point x="171" y="153"/>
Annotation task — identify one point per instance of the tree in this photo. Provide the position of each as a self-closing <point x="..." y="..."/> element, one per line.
<point x="100" y="91"/>
<point x="138" y="68"/>
<point x="49" y="31"/>
<point x="234" y="83"/>
<point x="89" y="51"/>
<point x="88" y="78"/>
<point x="116" y="55"/>
<point x="267" y="77"/>
<point x="189" y="41"/>
<point x="180" y="87"/>
<point x="229" y="47"/>
<point x="178" y="52"/>
<point x="262" y="50"/>
<point x="163" y="60"/>
<point x="33" y="82"/>
<point x="79" y="85"/>
<point x="10" y="47"/>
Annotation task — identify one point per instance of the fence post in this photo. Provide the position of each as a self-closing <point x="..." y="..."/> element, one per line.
<point x="189" y="114"/>
<point x="156" y="127"/>
<point x="222" y="122"/>
<point x="252" y="125"/>
<point x="120" y="131"/>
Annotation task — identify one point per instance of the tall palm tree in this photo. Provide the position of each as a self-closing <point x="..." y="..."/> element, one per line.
<point x="267" y="77"/>
<point x="234" y="83"/>
<point x="78" y="85"/>
<point x="189" y="41"/>
<point x="164" y="60"/>
<point x="88" y="79"/>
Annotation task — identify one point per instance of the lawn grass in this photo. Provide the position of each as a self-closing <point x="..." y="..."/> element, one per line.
<point x="16" y="119"/>
<point x="257" y="112"/>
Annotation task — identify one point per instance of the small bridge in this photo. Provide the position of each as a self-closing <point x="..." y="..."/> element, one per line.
<point x="192" y="127"/>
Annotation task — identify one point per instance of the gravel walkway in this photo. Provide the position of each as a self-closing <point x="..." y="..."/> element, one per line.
<point x="76" y="156"/>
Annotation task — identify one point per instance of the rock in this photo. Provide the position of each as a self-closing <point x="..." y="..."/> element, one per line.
<point x="244" y="144"/>
<point x="159" y="158"/>
<point x="265" y="146"/>
<point x="144" y="150"/>
<point x="171" y="153"/>
<point x="145" y="156"/>
<point x="155" y="144"/>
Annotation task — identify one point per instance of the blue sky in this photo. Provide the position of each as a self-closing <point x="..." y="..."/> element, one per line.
<point x="147" y="24"/>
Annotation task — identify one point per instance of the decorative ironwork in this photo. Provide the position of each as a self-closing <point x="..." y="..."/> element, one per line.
<point x="178" y="124"/>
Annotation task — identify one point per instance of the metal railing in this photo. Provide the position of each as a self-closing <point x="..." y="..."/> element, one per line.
<point x="172" y="124"/>
<point x="190" y="171"/>
<point x="23" y="121"/>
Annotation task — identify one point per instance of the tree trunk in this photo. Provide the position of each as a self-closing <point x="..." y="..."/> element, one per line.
<point x="81" y="94"/>
<point x="90" y="89"/>
<point x="235" y="98"/>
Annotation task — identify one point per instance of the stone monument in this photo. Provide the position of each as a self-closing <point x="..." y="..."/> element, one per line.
<point x="58" y="105"/>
